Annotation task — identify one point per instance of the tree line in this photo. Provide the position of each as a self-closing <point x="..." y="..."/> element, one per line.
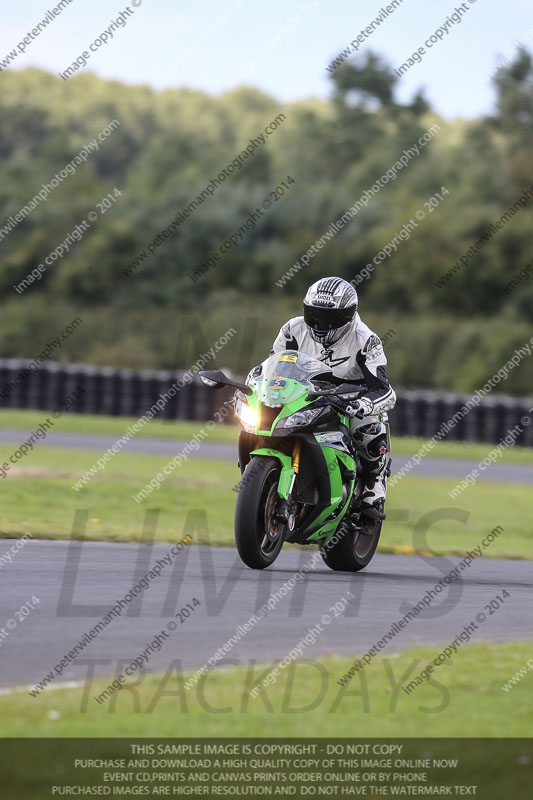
<point x="164" y="183"/>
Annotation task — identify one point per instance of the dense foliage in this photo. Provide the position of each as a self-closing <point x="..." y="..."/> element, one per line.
<point x="171" y="144"/>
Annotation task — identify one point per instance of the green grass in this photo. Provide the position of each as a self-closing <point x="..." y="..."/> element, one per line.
<point x="38" y="497"/>
<point x="410" y="445"/>
<point x="115" y="426"/>
<point x="464" y="700"/>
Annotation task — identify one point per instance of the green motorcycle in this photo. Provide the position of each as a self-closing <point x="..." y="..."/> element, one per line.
<point x="299" y="473"/>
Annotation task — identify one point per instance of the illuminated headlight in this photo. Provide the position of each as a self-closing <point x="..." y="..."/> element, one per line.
<point x="247" y="415"/>
<point x="300" y="419"/>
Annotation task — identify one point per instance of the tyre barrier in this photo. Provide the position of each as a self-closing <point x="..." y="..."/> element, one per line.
<point x="128" y="392"/>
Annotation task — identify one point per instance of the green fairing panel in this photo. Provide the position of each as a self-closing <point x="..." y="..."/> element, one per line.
<point x="332" y="457"/>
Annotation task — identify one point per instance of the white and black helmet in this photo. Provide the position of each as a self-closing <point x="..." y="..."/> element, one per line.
<point x="329" y="308"/>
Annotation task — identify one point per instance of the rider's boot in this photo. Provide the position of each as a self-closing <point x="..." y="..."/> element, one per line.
<point x="373" y="488"/>
<point x="371" y="444"/>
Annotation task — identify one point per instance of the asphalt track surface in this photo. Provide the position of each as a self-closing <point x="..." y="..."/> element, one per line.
<point x="229" y="593"/>
<point x="220" y="451"/>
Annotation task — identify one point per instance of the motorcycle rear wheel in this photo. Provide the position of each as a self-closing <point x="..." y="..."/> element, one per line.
<point x="353" y="549"/>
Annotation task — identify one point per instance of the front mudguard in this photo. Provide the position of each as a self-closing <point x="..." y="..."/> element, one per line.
<point x="287" y="470"/>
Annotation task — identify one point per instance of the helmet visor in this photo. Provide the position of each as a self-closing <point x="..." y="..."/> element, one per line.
<point x="321" y="319"/>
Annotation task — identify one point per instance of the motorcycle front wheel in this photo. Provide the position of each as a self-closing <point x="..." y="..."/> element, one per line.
<point x="258" y="534"/>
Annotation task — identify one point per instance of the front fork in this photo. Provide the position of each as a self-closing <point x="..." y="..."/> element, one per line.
<point x="285" y="511"/>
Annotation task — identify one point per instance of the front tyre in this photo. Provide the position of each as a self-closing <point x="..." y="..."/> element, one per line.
<point x="353" y="546"/>
<point x="258" y="534"/>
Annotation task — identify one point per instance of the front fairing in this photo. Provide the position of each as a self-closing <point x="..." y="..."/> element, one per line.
<point x="280" y="389"/>
<point x="286" y="377"/>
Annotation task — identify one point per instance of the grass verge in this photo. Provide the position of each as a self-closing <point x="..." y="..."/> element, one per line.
<point x="38" y="498"/>
<point x="463" y="699"/>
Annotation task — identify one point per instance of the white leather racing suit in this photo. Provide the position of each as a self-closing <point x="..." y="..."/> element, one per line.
<point x="357" y="356"/>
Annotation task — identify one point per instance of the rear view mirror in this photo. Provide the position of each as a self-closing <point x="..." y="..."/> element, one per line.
<point x="216" y="380"/>
<point x="212" y="378"/>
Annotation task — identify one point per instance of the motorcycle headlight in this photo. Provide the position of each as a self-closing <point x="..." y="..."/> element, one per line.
<point x="299" y="419"/>
<point x="247" y="415"/>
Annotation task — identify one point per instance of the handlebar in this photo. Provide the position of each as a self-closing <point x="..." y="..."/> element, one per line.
<point x="349" y="389"/>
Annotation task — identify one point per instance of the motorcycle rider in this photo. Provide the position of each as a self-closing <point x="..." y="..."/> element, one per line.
<point x="332" y="331"/>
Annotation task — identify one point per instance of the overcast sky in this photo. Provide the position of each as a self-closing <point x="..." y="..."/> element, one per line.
<point x="280" y="46"/>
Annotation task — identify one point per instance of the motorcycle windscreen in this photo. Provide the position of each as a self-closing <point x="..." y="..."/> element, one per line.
<point x="287" y="376"/>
